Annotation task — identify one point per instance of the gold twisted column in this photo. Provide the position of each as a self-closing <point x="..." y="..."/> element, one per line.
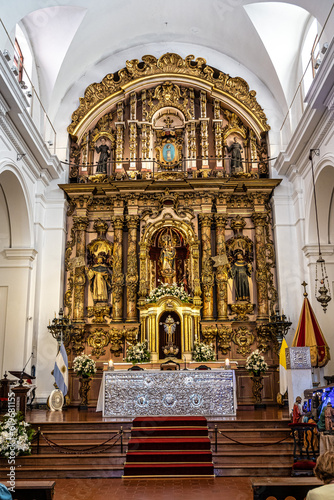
<point x="117" y="277"/>
<point x="221" y="274"/>
<point x="131" y="278"/>
<point x="260" y="221"/>
<point x="143" y="279"/>
<point x="80" y="226"/>
<point x="207" y="270"/>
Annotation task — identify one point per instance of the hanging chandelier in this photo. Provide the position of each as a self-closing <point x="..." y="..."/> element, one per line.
<point x="324" y="289"/>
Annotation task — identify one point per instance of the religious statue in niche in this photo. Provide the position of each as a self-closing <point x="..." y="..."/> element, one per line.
<point x="167" y="257"/>
<point x="235" y="150"/>
<point x="99" y="276"/>
<point x="104" y="152"/>
<point x="239" y="271"/>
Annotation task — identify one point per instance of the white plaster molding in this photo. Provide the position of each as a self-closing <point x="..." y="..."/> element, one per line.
<point x="312" y="250"/>
<point x="26" y="255"/>
<point x="18" y="124"/>
<point x="4" y="108"/>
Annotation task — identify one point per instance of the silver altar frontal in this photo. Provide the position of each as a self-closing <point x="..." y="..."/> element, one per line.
<point x="208" y="393"/>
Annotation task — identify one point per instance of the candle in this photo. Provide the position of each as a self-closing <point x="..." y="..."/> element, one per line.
<point x="110" y="364"/>
<point x="227" y="364"/>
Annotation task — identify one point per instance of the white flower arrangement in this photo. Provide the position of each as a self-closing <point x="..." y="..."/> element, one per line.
<point x="255" y="363"/>
<point x="138" y="353"/>
<point x="84" y="365"/>
<point x="167" y="289"/>
<point x="203" y="352"/>
<point x="15" y="435"/>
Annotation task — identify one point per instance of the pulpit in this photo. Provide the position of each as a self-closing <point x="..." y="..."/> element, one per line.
<point x="21" y="391"/>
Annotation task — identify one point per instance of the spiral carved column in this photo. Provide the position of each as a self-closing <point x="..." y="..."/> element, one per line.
<point x="207" y="269"/>
<point x="221" y="274"/>
<point x="260" y="221"/>
<point x="118" y="277"/>
<point x="80" y="226"/>
<point x="131" y="278"/>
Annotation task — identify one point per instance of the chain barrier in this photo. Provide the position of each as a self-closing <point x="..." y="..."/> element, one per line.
<point x="257" y="445"/>
<point x="69" y="451"/>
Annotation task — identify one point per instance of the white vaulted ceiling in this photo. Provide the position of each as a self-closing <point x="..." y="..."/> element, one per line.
<point x="77" y="42"/>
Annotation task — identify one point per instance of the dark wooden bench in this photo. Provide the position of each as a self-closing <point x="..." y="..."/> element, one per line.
<point x="282" y="487"/>
<point x="33" y="490"/>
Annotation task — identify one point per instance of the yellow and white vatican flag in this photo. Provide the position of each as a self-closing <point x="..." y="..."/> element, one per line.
<point x="283" y="380"/>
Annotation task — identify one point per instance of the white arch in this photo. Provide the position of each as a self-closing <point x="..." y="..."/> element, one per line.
<point x="19" y="207"/>
<point x="324" y="185"/>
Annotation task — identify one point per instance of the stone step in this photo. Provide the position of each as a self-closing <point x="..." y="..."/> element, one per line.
<point x="57" y="472"/>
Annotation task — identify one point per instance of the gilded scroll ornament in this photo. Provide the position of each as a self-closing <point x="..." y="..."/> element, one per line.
<point x="241" y="310"/>
<point x="209" y="334"/>
<point x="169" y="63"/>
<point x="99" y="313"/>
<point x="116" y="341"/>
<point x="78" y="339"/>
<point x="224" y="338"/>
<point x="265" y="338"/>
<point x="243" y="338"/>
<point x="98" y="340"/>
<point x="131" y="335"/>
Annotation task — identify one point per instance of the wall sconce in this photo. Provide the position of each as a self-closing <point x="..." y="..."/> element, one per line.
<point x="324" y="48"/>
<point x="317" y="63"/>
<point x="23" y="85"/>
<point x="6" y="55"/>
<point x="14" y="70"/>
<point x="29" y="93"/>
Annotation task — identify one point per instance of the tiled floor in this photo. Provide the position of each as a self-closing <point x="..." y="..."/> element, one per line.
<point x="219" y="488"/>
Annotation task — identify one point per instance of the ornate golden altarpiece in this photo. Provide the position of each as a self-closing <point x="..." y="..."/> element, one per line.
<point x="169" y="186"/>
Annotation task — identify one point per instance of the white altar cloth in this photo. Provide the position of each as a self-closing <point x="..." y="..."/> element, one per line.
<point x="210" y="393"/>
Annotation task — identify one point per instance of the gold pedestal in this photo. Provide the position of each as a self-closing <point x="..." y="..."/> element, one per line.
<point x="83" y="392"/>
<point x="257" y="387"/>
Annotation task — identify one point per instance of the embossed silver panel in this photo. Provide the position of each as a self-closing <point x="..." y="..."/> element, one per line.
<point x="298" y="358"/>
<point x="131" y="394"/>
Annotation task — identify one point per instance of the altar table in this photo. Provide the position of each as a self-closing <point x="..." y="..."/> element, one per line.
<point x="208" y="393"/>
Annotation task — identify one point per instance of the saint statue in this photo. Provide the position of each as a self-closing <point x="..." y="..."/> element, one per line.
<point x="236" y="159"/>
<point x="100" y="280"/>
<point x="104" y="151"/>
<point x="240" y="271"/>
<point x="167" y="256"/>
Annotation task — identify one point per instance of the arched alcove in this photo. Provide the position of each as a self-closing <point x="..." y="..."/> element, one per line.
<point x="324" y="186"/>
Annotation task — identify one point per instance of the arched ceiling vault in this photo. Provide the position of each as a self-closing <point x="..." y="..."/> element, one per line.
<point x="78" y="42"/>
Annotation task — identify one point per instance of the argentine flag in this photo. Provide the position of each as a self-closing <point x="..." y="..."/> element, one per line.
<point x="60" y="371"/>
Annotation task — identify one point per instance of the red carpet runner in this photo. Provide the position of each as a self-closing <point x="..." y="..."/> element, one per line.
<point x="169" y="446"/>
